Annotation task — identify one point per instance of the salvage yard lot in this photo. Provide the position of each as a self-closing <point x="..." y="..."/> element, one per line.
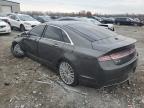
<point x="25" y="83"/>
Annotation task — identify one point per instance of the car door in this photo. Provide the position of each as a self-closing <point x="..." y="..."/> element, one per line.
<point x="50" y="45"/>
<point x="121" y="20"/>
<point x="14" y="21"/>
<point x="30" y="42"/>
<point x="17" y="21"/>
<point x="127" y="22"/>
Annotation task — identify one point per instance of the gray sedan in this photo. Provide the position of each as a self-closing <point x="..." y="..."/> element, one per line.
<point x="80" y="52"/>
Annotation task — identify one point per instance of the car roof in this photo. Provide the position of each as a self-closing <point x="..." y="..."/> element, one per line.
<point x="61" y="23"/>
<point x="88" y="31"/>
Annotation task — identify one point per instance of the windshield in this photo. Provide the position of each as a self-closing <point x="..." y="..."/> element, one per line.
<point x="26" y="18"/>
<point x="95" y="21"/>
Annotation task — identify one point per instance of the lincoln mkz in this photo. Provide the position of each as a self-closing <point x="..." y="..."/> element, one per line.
<point x="80" y="52"/>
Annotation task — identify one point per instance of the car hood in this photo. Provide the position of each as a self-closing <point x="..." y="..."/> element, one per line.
<point x="32" y="22"/>
<point x="108" y="44"/>
<point x="2" y="23"/>
<point x="4" y="18"/>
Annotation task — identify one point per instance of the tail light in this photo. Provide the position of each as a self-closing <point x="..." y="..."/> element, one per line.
<point x="117" y="55"/>
<point x="104" y="58"/>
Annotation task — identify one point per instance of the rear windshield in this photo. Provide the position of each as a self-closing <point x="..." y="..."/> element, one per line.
<point x="90" y="31"/>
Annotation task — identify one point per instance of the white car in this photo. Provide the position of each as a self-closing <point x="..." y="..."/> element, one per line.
<point x="107" y="26"/>
<point x="4" y="27"/>
<point x="22" y="21"/>
<point x="88" y="20"/>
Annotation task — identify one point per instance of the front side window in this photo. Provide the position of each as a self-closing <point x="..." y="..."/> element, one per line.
<point x="53" y="33"/>
<point x="56" y="34"/>
<point x="13" y="17"/>
<point x="37" y="31"/>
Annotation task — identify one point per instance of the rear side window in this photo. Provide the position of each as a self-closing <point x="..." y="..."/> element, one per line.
<point x="53" y="33"/>
<point x="123" y="19"/>
<point x="37" y="31"/>
<point x="65" y="37"/>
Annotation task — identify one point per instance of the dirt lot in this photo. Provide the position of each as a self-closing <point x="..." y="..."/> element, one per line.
<point x="25" y="83"/>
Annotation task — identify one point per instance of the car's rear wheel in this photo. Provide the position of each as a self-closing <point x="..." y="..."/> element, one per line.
<point x="17" y="51"/>
<point x="68" y="74"/>
<point x="22" y="28"/>
<point x="113" y="29"/>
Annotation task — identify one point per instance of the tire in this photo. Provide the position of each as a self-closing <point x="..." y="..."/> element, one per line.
<point x="113" y="29"/>
<point x="10" y="26"/>
<point x="68" y="74"/>
<point x="17" y="51"/>
<point x="22" y="28"/>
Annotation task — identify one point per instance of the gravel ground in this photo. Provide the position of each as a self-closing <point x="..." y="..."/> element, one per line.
<point x="25" y="83"/>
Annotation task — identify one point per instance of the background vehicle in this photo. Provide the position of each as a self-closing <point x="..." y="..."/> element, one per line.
<point x="43" y="19"/>
<point x="4" y="27"/>
<point x="127" y="21"/>
<point x="107" y="26"/>
<point x="4" y="17"/>
<point x="107" y="20"/>
<point x="22" y="21"/>
<point x="97" y="18"/>
<point x="80" y="52"/>
<point x="88" y="20"/>
<point x="138" y="22"/>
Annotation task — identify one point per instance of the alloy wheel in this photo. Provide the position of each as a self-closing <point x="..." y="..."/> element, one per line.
<point x="66" y="73"/>
<point x="17" y="50"/>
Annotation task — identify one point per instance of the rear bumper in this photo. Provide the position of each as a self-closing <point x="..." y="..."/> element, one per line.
<point x="111" y="76"/>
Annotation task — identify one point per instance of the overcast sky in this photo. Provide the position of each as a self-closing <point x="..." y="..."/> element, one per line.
<point x="98" y="6"/>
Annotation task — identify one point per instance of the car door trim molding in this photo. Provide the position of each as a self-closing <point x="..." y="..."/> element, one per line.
<point x="71" y="42"/>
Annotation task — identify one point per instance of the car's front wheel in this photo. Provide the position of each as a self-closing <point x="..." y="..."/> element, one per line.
<point x="17" y="51"/>
<point x="68" y="74"/>
<point x="22" y="28"/>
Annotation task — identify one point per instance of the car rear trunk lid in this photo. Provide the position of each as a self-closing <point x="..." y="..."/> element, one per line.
<point x="108" y="44"/>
